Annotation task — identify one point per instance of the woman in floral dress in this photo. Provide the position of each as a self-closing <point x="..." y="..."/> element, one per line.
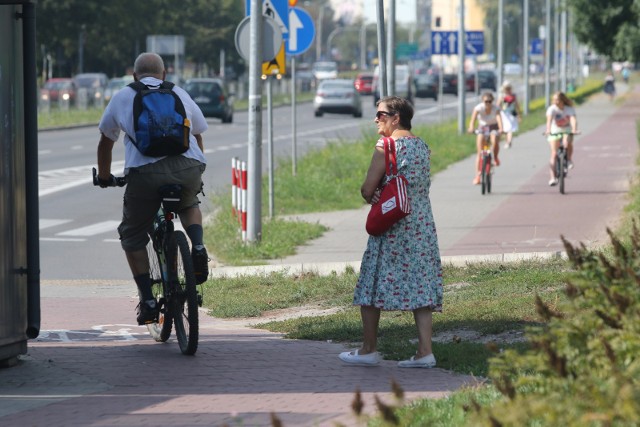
<point x="401" y="268"/>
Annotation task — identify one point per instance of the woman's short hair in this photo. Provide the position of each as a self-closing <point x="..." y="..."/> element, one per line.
<point x="400" y="106"/>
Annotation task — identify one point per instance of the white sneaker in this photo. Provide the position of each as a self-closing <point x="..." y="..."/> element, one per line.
<point x="353" y="358"/>
<point x="428" y="361"/>
<point x="553" y="182"/>
<point x="570" y="164"/>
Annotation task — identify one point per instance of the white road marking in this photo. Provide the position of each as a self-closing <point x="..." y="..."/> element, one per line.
<point x="46" y="223"/>
<point x="93" y="229"/>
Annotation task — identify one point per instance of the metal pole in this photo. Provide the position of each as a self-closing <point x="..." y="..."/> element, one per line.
<point x="30" y="83"/>
<point x="319" y="35"/>
<point x="556" y="42"/>
<point x="294" y="129"/>
<point x="526" y="50"/>
<point x="499" y="66"/>
<point x="363" y="45"/>
<point x="254" y="158"/>
<point x="391" y="48"/>
<point x="462" y="44"/>
<point x="563" y="49"/>
<point x="270" y="141"/>
<point x="547" y="55"/>
<point x="382" y="54"/>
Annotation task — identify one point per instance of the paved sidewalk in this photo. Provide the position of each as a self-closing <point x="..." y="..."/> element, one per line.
<point x="91" y="366"/>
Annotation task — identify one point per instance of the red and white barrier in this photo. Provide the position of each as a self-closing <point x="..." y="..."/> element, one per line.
<point x="239" y="193"/>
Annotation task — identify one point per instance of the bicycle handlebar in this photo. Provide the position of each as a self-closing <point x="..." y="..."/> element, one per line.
<point x="561" y="133"/>
<point x="114" y="181"/>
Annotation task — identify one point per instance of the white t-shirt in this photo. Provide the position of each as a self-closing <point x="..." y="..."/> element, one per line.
<point x="484" y="118"/>
<point x="118" y="116"/>
<point x="560" y="119"/>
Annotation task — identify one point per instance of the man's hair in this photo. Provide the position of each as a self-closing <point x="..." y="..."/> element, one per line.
<point x="148" y="64"/>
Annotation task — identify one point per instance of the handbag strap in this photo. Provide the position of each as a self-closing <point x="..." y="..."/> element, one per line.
<point x="390" y="161"/>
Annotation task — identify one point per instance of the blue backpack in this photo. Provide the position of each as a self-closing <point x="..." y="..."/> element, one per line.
<point x="160" y="121"/>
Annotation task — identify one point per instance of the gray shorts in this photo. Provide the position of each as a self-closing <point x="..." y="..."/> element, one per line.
<point x="142" y="200"/>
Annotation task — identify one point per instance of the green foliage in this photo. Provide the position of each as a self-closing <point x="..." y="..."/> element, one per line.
<point x="583" y="368"/>
<point x="606" y="26"/>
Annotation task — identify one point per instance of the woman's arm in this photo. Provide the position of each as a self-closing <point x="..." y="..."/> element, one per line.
<point x="374" y="177"/>
<point x="472" y="121"/>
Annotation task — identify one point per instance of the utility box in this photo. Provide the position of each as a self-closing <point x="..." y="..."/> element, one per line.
<point x="19" y="305"/>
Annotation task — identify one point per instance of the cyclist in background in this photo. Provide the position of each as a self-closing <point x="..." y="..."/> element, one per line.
<point x="511" y="114"/>
<point x="562" y="123"/>
<point x="487" y="114"/>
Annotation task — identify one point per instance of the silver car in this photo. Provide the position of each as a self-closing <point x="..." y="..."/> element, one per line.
<point x="337" y="96"/>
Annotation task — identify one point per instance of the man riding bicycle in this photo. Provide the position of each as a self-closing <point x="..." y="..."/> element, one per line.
<point x="562" y="123"/>
<point x="146" y="174"/>
<point x="489" y="122"/>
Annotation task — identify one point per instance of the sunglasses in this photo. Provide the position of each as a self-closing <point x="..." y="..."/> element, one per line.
<point x="488" y="101"/>
<point x="381" y="114"/>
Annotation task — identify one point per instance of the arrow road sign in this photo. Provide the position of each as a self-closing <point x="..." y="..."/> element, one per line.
<point x="301" y="31"/>
<point x="446" y="42"/>
<point x="536" y="47"/>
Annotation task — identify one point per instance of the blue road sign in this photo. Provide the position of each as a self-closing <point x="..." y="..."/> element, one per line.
<point x="475" y="43"/>
<point x="446" y="42"/>
<point x="536" y="47"/>
<point x="301" y="31"/>
<point x="278" y="10"/>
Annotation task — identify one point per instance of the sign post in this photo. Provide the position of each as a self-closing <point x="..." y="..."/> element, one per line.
<point x="301" y="35"/>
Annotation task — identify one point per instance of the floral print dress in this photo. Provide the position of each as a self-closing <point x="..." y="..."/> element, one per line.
<point x="401" y="269"/>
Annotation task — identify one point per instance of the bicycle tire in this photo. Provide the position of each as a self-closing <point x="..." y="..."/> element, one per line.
<point x="184" y="295"/>
<point x="561" y="162"/>
<point x="489" y="175"/>
<point x="483" y="173"/>
<point x="160" y="331"/>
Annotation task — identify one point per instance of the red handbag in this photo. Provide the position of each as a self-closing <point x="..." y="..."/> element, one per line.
<point x="393" y="204"/>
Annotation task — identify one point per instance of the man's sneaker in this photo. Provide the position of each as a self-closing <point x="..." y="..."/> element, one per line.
<point x="147" y="312"/>
<point x="200" y="263"/>
<point x="570" y="164"/>
<point x="553" y="182"/>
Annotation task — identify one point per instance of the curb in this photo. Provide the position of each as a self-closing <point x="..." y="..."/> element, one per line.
<point x="328" y="268"/>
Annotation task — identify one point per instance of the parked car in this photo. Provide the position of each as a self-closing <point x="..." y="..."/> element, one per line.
<point x="364" y="83"/>
<point x="58" y="90"/>
<point x="325" y="70"/>
<point x="114" y="85"/>
<point x="450" y="83"/>
<point x="403" y="86"/>
<point x="427" y="86"/>
<point x="337" y="96"/>
<point x="487" y="79"/>
<point x="91" y="86"/>
<point x="211" y="97"/>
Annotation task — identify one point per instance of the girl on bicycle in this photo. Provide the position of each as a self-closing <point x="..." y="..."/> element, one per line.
<point x="561" y="125"/>
<point x="489" y="124"/>
<point x="510" y="112"/>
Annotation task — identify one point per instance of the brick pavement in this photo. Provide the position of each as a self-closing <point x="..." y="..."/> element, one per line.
<point x="92" y="367"/>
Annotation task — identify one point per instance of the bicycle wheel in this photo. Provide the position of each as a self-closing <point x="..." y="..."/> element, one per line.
<point x="485" y="173"/>
<point x="489" y="174"/>
<point x="561" y="163"/>
<point x="162" y="330"/>
<point x="184" y="298"/>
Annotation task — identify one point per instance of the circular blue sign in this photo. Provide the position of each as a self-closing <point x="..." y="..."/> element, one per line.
<point x="301" y="32"/>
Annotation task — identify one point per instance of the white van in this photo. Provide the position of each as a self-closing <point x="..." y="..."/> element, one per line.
<point x="404" y="83"/>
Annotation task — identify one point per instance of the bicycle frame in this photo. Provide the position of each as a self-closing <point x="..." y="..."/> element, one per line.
<point x="486" y="159"/>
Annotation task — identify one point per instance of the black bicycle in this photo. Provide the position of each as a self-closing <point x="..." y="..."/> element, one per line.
<point x="172" y="274"/>
<point x="562" y="164"/>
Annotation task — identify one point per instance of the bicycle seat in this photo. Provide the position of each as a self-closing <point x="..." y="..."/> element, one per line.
<point x="171" y="195"/>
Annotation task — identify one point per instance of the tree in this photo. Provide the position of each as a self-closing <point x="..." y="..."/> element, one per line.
<point x="609" y="27"/>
